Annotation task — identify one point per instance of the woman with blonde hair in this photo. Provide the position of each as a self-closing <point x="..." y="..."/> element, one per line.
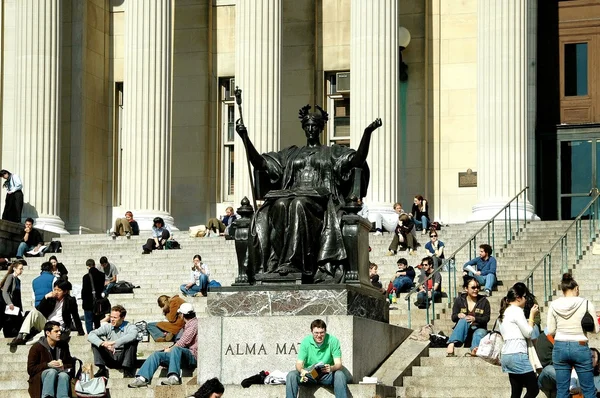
<point x="569" y="323"/>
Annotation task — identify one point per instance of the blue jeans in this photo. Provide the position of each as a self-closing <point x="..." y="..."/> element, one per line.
<point x="195" y="288"/>
<point x="107" y="288"/>
<point x="173" y="360"/>
<point x="422" y="297"/>
<point x="547" y="380"/>
<point x="461" y="331"/>
<point x="488" y="281"/>
<point x="422" y="223"/>
<point x="402" y="284"/>
<point x="55" y="384"/>
<point x="23" y="248"/>
<point x="339" y="379"/>
<point x="568" y="354"/>
<point x="155" y="331"/>
<point x="89" y="320"/>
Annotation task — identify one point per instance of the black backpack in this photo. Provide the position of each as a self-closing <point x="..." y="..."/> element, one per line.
<point x="122" y="287"/>
<point x="54" y="247"/>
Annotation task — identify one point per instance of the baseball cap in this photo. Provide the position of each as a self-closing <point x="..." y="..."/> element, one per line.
<point x="186" y="308"/>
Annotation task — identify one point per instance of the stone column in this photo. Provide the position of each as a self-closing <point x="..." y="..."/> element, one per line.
<point x="146" y="184"/>
<point x="374" y="93"/>
<point x="257" y="73"/>
<point x="504" y="109"/>
<point x="37" y="115"/>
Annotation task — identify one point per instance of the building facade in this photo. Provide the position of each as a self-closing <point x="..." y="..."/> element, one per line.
<point x="115" y="105"/>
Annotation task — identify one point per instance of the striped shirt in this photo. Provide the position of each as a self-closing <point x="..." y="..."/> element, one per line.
<point x="189" y="339"/>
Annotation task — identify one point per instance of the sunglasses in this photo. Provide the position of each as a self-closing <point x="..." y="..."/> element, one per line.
<point x="433" y="236"/>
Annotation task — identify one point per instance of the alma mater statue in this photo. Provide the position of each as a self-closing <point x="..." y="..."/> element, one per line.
<point x="298" y="227"/>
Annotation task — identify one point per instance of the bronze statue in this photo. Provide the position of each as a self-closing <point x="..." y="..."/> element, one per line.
<point x="297" y="230"/>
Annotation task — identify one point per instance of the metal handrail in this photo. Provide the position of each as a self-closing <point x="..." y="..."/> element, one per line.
<point x="546" y="260"/>
<point x="450" y="261"/>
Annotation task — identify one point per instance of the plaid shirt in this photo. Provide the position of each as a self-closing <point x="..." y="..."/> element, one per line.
<point x="189" y="339"/>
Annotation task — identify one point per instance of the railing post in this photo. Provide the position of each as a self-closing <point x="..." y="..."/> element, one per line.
<point x="545" y="282"/>
<point x="409" y="313"/>
<point x="517" y="211"/>
<point x="549" y="275"/>
<point x="505" y="229"/>
<point x="510" y="223"/>
<point x="525" y="207"/>
<point x="493" y="232"/>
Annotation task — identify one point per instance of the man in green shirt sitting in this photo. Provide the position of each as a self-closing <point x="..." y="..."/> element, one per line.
<point x="319" y="362"/>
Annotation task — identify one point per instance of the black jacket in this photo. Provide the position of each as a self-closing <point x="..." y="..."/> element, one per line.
<point x="481" y="312"/>
<point x="87" y="301"/>
<point x="69" y="312"/>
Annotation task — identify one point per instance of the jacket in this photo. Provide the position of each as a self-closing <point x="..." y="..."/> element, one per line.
<point x="87" y="300"/>
<point x="37" y="362"/>
<point x="69" y="312"/>
<point x="175" y="320"/>
<point x="42" y="285"/>
<point x="11" y="284"/>
<point x="481" y="311"/>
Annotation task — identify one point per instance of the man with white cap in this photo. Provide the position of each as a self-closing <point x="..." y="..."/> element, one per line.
<point x="182" y="353"/>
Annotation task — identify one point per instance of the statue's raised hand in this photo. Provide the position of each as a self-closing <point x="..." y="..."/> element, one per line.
<point x="373" y="126"/>
<point x="241" y="129"/>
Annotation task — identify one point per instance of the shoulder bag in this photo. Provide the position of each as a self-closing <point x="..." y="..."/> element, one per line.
<point x="587" y="321"/>
<point x="101" y="306"/>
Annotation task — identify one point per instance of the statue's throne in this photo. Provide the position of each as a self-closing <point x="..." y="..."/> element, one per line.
<point x="355" y="233"/>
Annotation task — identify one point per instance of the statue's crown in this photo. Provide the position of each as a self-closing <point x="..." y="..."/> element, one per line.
<point x="321" y="116"/>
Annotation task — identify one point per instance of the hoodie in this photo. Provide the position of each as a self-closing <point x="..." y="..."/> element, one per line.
<point x="564" y="318"/>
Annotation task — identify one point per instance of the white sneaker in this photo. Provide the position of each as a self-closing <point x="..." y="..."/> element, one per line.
<point x="377" y="233"/>
<point x="172" y="380"/>
<point x="138" y="382"/>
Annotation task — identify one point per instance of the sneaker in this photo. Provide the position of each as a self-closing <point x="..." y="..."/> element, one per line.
<point x="172" y="380"/>
<point x="128" y="235"/>
<point x="102" y="372"/>
<point x="377" y="233"/>
<point x="138" y="382"/>
<point x="114" y="235"/>
<point x="488" y="292"/>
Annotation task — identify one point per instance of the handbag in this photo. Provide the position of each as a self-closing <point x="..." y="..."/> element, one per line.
<point x="490" y="346"/>
<point x="93" y="388"/>
<point x="588" y="324"/>
<point x="101" y="306"/>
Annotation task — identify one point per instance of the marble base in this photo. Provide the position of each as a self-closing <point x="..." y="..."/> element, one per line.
<point x="317" y="300"/>
<point x="234" y="348"/>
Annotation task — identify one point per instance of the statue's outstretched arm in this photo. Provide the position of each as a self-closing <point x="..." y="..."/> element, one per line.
<point x="365" y="142"/>
<point x="255" y="158"/>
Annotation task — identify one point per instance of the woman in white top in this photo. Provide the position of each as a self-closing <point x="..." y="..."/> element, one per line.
<point x="515" y="328"/>
<point x="571" y="348"/>
<point x="198" y="283"/>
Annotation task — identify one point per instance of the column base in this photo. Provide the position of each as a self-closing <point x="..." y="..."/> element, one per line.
<point x="486" y="210"/>
<point x="50" y="223"/>
<point x="144" y="218"/>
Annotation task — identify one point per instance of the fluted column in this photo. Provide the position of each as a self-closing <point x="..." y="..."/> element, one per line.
<point x="258" y="74"/>
<point x="146" y="186"/>
<point x="503" y="104"/>
<point x="374" y="93"/>
<point x="37" y="119"/>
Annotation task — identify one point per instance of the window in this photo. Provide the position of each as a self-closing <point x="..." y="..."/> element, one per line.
<point x="576" y="69"/>
<point x="227" y="134"/>
<point x="338" y="107"/>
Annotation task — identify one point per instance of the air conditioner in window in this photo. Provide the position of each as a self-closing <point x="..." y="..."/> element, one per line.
<point x="231" y="93"/>
<point x="342" y="84"/>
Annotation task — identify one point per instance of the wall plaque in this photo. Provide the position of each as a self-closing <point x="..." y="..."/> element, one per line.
<point x="468" y="179"/>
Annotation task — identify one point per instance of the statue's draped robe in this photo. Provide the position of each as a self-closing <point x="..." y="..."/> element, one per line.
<point x="297" y="229"/>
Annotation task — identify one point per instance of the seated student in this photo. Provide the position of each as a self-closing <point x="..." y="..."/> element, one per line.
<point x="199" y="278"/>
<point x="215" y="226"/>
<point x="44" y="283"/>
<point x="58" y="269"/>
<point x="115" y="344"/>
<point x="420" y="213"/>
<point x="32" y="239"/>
<point x="183" y="353"/>
<point x="46" y="364"/>
<point x="212" y="388"/>
<point x="405" y="277"/>
<point x="374" y="277"/>
<point x="58" y="305"/>
<point x="126" y="226"/>
<point x="160" y="235"/>
<point x="471" y="314"/>
<point x="435" y="248"/>
<point x="485" y="268"/>
<point x="110" y="272"/>
<point x="432" y="288"/>
<point x="403" y="236"/>
<point x="166" y="330"/>
<point x="386" y="221"/>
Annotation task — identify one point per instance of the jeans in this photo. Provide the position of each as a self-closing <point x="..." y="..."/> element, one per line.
<point x="488" y="281"/>
<point x="461" y="331"/>
<point x="402" y="284"/>
<point x="173" y="359"/>
<point x="547" y="381"/>
<point x="422" y="297"/>
<point x="423" y="223"/>
<point x="55" y="384"/>
<point x="338" y="379"/>
<point x="195" y="288"/>
<point x="23" y="248"/>
<point x="567" y="354"/>
<point x="91" y="321"/>
<point x="107" y="288"/>
<point x="155" y="331"/>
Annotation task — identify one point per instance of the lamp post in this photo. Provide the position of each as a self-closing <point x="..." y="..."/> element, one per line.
<point x="403" y="42"/>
